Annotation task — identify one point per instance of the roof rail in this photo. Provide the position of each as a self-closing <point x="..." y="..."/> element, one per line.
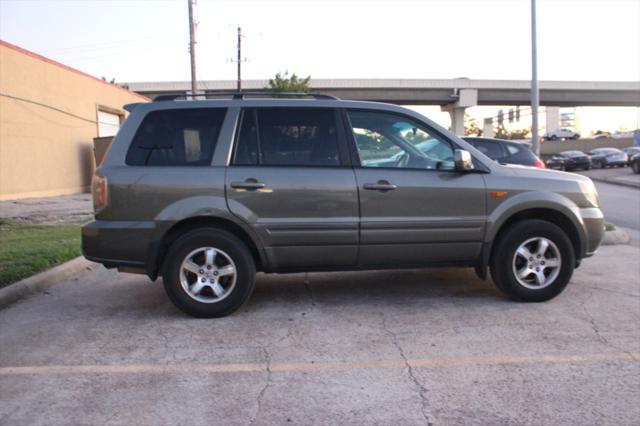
<point x="242" y="95"/>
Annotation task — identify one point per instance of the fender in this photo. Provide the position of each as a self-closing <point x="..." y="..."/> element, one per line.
<point x="213" y="207"/>
<point x="521" y="202"/>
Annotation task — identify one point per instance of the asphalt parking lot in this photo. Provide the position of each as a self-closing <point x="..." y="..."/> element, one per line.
<point x="408" y="347"/>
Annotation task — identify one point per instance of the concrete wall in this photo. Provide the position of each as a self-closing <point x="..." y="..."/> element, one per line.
<point x="46" y="151"/>
<point x="548" y="148"/>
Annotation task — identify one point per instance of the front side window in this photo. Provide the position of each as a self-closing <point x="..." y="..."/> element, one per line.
<point x="389" y="140"/>
<point x="179" y="137"/>
<point x="287" y="137"/>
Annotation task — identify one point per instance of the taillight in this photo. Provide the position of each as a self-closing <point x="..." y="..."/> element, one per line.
<point x="539" y="164"/>
<point x="100" y="189"/>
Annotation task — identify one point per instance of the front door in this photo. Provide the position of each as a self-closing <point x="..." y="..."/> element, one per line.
<point x="415" y="209"/>
<point x="290" y="181"/>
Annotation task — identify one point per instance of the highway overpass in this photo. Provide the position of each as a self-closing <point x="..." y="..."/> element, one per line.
<point x="454" y="95"/>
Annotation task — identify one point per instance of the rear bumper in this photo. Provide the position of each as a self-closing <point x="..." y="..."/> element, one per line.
<point x="117" y="243"/>
<point x="593" y="221"/>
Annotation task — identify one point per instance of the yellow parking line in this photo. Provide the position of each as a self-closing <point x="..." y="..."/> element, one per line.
<point x="320" y="366"/>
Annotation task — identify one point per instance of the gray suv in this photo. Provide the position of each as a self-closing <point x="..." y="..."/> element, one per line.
<point x="207" y="192"/>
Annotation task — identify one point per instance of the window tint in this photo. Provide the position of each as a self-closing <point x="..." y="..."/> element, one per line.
<point x="179" y="137"/>
<point x="288" y="137"/>
<point x="389" y="140"/>
<point x="247" y="146"/>
<point x="491" y="149"/>
<point x="519" y="154"/>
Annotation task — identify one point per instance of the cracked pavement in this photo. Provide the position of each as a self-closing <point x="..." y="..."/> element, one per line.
<point x="403" y="347"/>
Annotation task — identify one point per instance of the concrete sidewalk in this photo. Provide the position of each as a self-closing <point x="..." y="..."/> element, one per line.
<point x="50" y="210"/>
<point x="391" y="347"/>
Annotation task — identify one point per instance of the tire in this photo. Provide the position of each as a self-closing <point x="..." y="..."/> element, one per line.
<point x="505" y="261"/>
<point x="635" y="167"/>
<point x="553" y="137"/>
<point x="576" y="137"/>
<point x="587" y="167"/>
<point x="231" y="289"/>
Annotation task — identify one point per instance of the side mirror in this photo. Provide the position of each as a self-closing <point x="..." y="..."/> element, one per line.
<point x="462" y="160"/>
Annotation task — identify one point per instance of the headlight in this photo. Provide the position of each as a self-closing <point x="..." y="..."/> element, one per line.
<point x="590" y="193"/>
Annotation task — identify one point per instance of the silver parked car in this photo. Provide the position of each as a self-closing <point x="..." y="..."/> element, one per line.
<point x="206" y="193"/>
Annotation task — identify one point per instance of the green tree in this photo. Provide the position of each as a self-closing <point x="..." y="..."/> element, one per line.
<point x="471" y="127"/>
<point x="519" y="134"/>
<point x="501" y="132"/>
<point x="286" y="83"/>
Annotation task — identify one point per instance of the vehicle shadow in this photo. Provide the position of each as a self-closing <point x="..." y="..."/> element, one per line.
<point x="370" y="287"/>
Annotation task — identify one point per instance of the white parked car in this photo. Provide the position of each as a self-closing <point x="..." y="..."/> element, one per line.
<point x="561" y="134"/>
<point x="619" y="134"/>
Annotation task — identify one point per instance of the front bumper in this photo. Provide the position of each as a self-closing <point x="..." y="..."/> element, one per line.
<point x="593" y="225"/>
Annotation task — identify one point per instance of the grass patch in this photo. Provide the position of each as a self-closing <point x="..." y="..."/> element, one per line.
<point x="29" y="249"/>
<point x="609" y="227"/>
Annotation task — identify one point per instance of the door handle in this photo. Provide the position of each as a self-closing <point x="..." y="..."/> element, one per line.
<point x="248" y="184"/>
<point x="381" y="185"/>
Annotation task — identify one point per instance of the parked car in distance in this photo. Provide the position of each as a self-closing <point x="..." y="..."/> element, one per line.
<point x="562" y="134"/>
<point x="602" y="136"/>
<point x="634" y="163"/>
<point x="608" y="157"/>
<point x="506" y="152"/>
<point x="631" y="151"/>
<point x="620" y="134"/>
<point x="205" y="193"/>
<point x="570" y="160"/>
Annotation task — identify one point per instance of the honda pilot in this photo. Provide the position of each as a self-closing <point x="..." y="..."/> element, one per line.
<point x="205" y="193"/>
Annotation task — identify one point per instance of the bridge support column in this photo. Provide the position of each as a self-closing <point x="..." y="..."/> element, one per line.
<point x="466" y="98"/>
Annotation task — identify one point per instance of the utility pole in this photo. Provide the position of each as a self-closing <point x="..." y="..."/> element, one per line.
<point x="535" y="138"/>
<point x="192" y="49"/>
<point x="239" y="59"/>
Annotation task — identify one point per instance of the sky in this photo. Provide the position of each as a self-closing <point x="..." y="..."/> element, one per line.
<point x="148" y="40"/>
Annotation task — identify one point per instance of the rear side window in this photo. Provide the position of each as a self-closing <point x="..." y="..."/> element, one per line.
<point x="179" y="137"/>
<point x="519" y="153"/>
<point x="288" y="137"/>
<point x="491" y="149"/>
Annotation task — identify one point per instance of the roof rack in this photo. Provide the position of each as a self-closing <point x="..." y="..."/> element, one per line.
<point x="242" y="95"/>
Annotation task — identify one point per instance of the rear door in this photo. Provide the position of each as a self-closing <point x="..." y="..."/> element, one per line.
<point x="415" y="209"/>
<point x="290" y="180"/>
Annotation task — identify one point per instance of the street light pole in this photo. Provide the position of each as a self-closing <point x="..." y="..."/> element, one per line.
<point x="535" y="138"/>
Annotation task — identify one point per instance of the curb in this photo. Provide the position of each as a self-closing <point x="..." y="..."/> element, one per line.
<point x="617" y="236"/>
<point x="616" y="182"/>
<point x="41" y="281"/>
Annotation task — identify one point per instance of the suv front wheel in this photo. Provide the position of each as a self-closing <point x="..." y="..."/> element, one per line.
<point x="533" y="261"/>
<point x="209" y="273"/>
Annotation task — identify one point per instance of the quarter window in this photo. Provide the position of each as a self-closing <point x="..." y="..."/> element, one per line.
<point x="288" y="137"/>
<point x="389" y="140"/>
<point x="178" y="137"/>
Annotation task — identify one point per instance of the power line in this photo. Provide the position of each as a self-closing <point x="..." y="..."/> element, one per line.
<point x="52" y="108"/>
<point x="115" y="44"/>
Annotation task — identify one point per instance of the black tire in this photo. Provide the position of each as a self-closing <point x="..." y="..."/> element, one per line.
<point x="587" y="167"/>
<point x="229" y="245"/>
<point x="553" y="137"/>
<point x="635" y="167"/>
<point x="504" y="252"/>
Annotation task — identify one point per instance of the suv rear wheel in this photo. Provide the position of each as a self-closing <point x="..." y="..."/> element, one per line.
<point x="209" y="273"/>
<point x="533" y="261"/>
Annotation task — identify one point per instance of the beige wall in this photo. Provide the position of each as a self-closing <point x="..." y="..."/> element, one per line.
<point x="44" y="152"/>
